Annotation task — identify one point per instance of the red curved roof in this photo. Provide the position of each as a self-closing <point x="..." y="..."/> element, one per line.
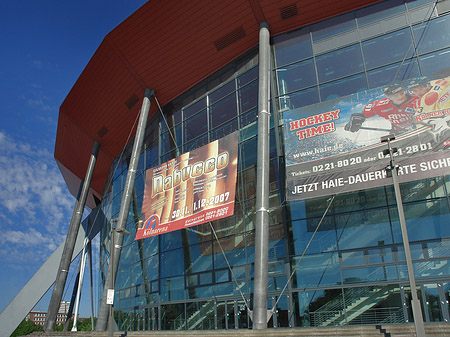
<point x="168" y="46"/>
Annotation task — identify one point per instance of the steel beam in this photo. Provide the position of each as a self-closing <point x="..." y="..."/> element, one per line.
<point x="260" y="314"/>
<point x="118" y="233"/>
<point x="69" y="245"/>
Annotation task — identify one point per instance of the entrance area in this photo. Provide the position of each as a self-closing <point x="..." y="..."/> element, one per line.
<point x="383" y="304"/>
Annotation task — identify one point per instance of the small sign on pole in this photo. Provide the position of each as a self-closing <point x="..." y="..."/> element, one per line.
<point x="110" y="296"/>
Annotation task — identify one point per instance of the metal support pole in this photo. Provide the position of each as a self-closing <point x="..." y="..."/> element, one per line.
<point x="80" y="284"/>
<point x="69" y="244"/>
<point x="91" y="278"/>
<point x="260" y="315"/>
<point x="123" y="213"/>
<point x="417" y="311"/>
<point x="72" y="301"/>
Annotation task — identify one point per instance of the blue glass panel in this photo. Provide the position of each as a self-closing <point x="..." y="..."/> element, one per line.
<point x="418" y="190"/>
<point x="324" y="240"/>
<point x="224" y="130"/>
<point x="388" y="48"/>
<point x="432" y="35"/>
<point x="248" y="96"/>
<point x="416" y="3"/>
<point x="196" y="143"/>
<point x="317" y="270"/>
<point x="151" y="157"/>
<point x="224" y="289"/>
<point x="151" y="246"/>
<point x="222" y="276"/>
<point x="249" y="152"/>
<point x="205" y="278"/>
<point x="363" y="229"/>
<point x="235" y="256"/>
<point x="297" y="209"/>
<point x="195" y="126"/>
<point x="172" y="263"/>
<point x="248" y="76"/>
<point x="199" y="260"/>
<point x="333" y="26"/>
<point x="369" y="274"/>
<point x="296" y="76"/>
<point x="428" y="269"/>
<point x="424" y="220"/>
<point x="379" y="11"/>
<point x="293" y="46"/>
<point x="439" y="248"/>
<point x="123" y="278"/>
<point x="435" y="62"/>
<point x="222" y="92"/>
<point x="343" y="87"/>
<point x="339" y="63"/>
<point x="170" y="240"/>
<point x="172" y="289"/>
<point x="194" y="108"/>
<point x="300" y="98"/>
<point x="223" y="110"/>
<point x="165" y="142"/>
<point x="391" y="73"/>
<point x="355" y="258"/>
<point x="248" y="117"/>
<point x="136" y="274"/>
<point x="359" y="200"/>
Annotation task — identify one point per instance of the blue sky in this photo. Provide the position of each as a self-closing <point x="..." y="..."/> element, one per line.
<point x="45" y="46"/>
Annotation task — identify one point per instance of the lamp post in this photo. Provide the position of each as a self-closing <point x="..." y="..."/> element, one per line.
<point x="392" y="168"/>
<point x="111" y="291"/>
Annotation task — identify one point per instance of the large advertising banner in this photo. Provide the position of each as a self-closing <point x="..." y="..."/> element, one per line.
<point x="196" y="187"/>
<point x="334" y="146"/>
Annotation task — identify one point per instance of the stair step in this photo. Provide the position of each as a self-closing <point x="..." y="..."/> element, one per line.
<point x="395" y="330"/>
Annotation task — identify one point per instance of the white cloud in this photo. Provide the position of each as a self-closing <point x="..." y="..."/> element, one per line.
<point x="35" y="205"/>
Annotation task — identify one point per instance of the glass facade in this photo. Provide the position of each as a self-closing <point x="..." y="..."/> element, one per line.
<point x="353" y="270"/>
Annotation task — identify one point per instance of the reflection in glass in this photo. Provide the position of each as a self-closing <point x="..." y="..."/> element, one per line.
<point x="388" y="48"/>
<point x="379" y="11"/>
<point x="172" y="317"/>
<point x="195" y="126"/>
<point x="333" y="26"/>
<point x="426" y="32"/>
<point x="339" y="63"/>
<point x="317" y="270"/>
<point x="296" y="76"/>
<point x="343" y="87"/>
<point x="293" y="46"/>
<point x="435" y="62"/>
<point x="223" y="110"/>
<point x="393" y="73"/>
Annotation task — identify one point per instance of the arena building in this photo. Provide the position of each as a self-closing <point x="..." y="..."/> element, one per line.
<point x="201" y="60"/>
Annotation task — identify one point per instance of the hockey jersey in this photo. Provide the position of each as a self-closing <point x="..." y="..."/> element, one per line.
<point x="437" y="98"/>
<point x="401" y="116"/>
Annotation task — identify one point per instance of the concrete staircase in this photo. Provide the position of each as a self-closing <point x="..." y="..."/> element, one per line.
<point x="394" y="330"/>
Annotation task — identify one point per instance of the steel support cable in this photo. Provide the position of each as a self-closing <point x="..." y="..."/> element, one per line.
<point x="168" y="128"/>
<point x="427" y="18"/>
<point x="304" y="252"/>
<point x="114" y="170"/>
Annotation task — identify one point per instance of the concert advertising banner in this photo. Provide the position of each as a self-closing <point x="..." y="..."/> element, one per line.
<point x="334" y="146"/>
<point x="196" y="187"/>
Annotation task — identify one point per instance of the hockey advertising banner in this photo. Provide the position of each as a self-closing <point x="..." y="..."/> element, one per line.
<point x="194" y="188"/>
<point x="334" y="147"/>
